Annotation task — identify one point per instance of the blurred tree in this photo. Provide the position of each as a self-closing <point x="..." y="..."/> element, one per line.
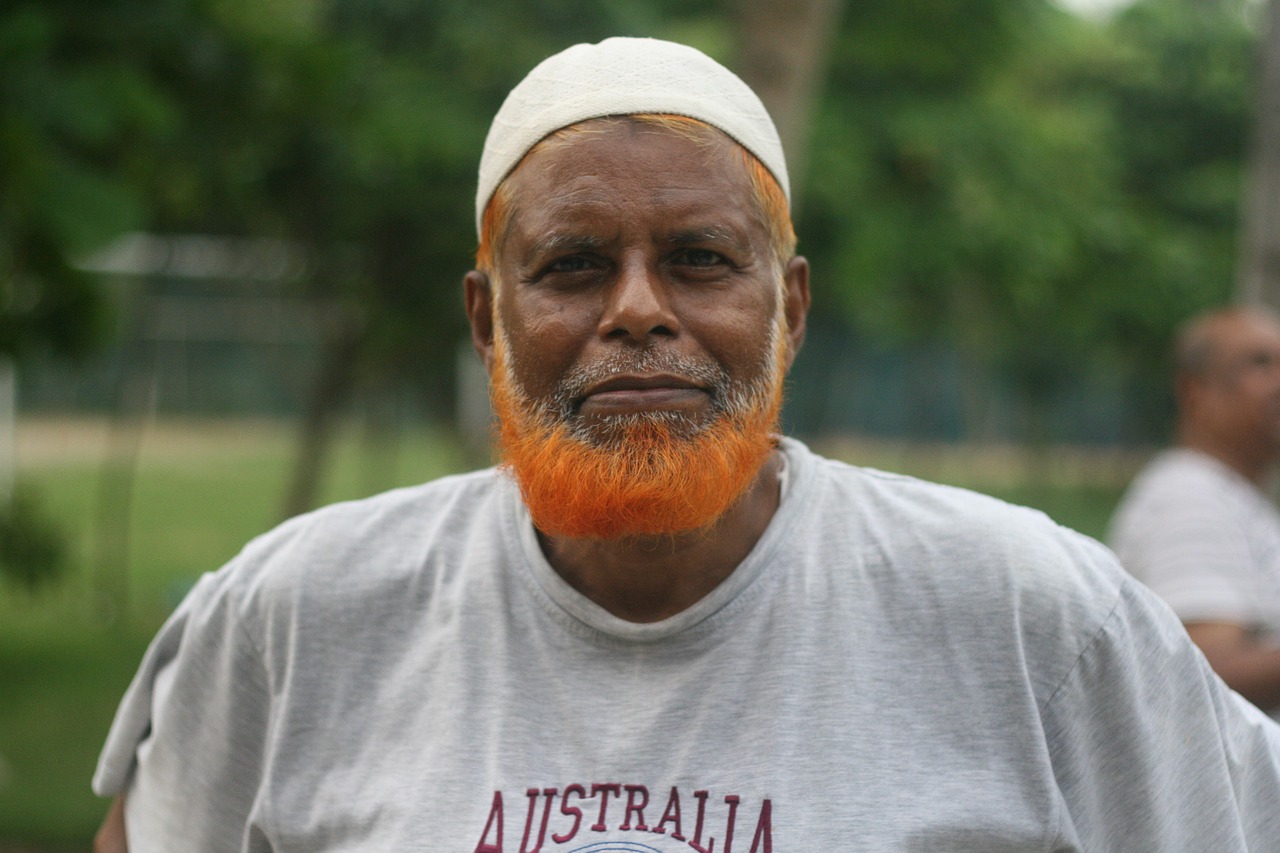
<point x="32" y="547"/>
<point x="1175" y="84"/>
<point x="78" y="104"/>
<point x="952" y="187"/>
<point x="1258" y="276"/>
<point x="782" y="54"/>
<point x="71" y="108"/>
<point x="1044" y="193"/>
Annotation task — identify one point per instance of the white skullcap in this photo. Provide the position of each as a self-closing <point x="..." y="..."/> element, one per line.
<point x="625" y="76"/>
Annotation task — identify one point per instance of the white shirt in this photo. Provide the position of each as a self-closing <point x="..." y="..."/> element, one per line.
<point x="1204" y="538"/>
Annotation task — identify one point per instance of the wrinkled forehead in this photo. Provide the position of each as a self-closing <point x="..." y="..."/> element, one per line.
<point x="679" y="174"/>
<point x="614" y="139"/>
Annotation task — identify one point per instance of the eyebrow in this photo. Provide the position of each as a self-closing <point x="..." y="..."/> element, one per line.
<point x="554" y="243"/>
<point x="569" y="241"/>
<point x="711" y="234"/>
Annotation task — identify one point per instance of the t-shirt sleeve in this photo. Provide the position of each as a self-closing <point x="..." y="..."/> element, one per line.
<point x="186" y="743"/>
<point x="1151" y="751"/>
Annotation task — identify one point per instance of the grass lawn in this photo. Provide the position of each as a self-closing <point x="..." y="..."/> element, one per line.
<point x="67" y="654"/>
<point x="200" y="491"/>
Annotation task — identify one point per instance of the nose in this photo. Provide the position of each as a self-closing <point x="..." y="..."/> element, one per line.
<point x="638" y="306"/>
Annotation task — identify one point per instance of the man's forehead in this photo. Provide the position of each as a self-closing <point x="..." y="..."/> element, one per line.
<point x="579" y="182"/>
<point x="1247" y="329"/>
<point x="615" y="140"/>
<point x="1239" y="338"/>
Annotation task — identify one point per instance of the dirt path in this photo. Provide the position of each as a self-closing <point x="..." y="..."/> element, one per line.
<point x="51" y="441"/>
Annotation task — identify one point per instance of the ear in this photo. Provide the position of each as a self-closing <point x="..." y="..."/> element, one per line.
<point x="479" y="300"/>
<point x="1190" y="391"/>
<point x="796" y="309"/>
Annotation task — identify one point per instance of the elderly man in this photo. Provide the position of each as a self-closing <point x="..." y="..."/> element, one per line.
<point x="1196" y="525"/>
<point x="660" y="627"/>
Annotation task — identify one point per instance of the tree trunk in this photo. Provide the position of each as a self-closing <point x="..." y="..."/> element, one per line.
<point x="8" y="429"/>
<point x="332" y="390"/>
<point x="1258" y="276"/>
<point x="782" y="52"/>
<point x="136" y="398"/>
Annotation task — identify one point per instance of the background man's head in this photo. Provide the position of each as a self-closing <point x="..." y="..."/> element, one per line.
<point x="1227" y="367"/>
<point x="634" y="230"/>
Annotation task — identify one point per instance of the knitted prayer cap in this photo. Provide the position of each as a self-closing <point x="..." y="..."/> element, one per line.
<point x="625" y="76"/>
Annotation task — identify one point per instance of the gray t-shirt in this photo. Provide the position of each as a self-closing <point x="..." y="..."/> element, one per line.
<point x="896" y="666"/>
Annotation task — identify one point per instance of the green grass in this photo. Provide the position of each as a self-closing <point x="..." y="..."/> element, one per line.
<point x="67" y="653"/>
<point x="200" y="492"/>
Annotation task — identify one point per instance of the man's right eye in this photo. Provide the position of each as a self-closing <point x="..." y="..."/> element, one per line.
<point x="571" y="263"/>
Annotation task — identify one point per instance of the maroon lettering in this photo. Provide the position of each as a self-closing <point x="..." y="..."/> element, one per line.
<point x="764" y="830"/>
<point x="732" y="801"/>
<point x="604" y="791"/>
<point x="671" y="815"/>
<point x="638" y="800"/>
<point x="570" y="811"/>
<point x="634" y="793"/>
<point x="696" y="843"/>
<point x="532" y="794"/>
<point x="495" y="814"/>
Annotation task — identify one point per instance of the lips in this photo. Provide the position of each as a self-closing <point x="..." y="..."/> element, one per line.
<point x="627" y="393"/>
<point x="632" y="382"/>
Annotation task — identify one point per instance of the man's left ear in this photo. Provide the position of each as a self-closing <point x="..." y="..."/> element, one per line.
<point x="796" y="309"/>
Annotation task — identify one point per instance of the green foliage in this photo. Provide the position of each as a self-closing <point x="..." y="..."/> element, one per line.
<point x="84" y="102"/>
<point x="1048" y="195"/>
<point x="1045" y="195"/>
<point x="60" y="682"/>
<point x="32" y="550"/>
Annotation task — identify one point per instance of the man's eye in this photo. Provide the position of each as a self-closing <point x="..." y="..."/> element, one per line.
<point x="572" y="263"/>
<point x="700" y="258"/>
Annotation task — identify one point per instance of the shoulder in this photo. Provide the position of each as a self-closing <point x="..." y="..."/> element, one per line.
<point x="893" y="517"/>
<point x="1181" y="497"/>
<point x="1177" y="478"/>
<point x="357" y="551"/>
<point x="971" y="569"/>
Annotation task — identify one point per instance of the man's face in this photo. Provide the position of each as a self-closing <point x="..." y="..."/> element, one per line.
<point x="635" y="277"/>
<point x="1239" y="393"/>
<point x="638" y="311"/>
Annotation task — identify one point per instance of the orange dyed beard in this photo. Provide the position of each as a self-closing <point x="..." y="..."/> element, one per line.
<point x="639" y="476"/>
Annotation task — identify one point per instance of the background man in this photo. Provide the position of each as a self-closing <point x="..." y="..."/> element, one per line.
<point x="1196" y="525"/>
<point x="662" y="627"/>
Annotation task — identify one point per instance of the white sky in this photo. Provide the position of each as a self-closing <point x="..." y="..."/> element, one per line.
<point x="1094" y="8"/>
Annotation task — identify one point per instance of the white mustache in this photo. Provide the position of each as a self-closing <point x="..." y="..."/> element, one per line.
<point x="573" y="386"/>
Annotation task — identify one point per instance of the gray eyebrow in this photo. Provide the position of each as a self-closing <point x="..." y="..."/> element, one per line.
<point x="555" y="243"/>
<point x="569" y="241"/>
<point x="711" y="234"/>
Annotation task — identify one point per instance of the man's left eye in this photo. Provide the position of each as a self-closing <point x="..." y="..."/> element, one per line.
<point x="700" y="257"/>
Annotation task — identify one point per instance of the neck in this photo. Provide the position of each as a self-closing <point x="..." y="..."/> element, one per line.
<point x="650" y="578"/>
<point x="1251" y="463"/>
